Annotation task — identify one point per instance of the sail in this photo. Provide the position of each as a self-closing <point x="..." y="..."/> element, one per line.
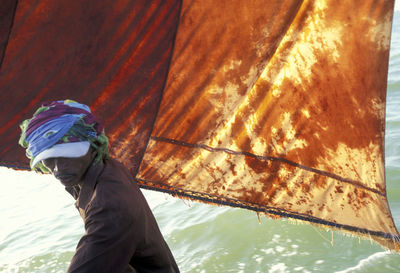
<point x="276" y="106"/>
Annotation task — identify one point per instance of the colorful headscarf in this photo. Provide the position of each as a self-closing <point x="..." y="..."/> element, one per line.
<point x="63" y="121"/>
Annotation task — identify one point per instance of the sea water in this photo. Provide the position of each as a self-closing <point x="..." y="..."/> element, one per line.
<point x="40" y="226"/>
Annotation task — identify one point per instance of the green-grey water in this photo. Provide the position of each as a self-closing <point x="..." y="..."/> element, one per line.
<point x="40" y="227"/>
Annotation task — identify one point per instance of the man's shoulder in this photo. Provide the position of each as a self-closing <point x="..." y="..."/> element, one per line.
<point x="115" y="171"/>
<point x="116" y="194"/>
<point x="115" y="183"/>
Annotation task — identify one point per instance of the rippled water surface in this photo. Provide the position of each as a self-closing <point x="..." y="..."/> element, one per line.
<point x="40" y="227"/>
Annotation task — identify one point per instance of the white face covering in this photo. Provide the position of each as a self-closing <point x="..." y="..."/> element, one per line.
<point x="69" y="150"/>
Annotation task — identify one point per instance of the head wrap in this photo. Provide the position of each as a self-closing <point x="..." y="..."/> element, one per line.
<point x="61" y="122"/>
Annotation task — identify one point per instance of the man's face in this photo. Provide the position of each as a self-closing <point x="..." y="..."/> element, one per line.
<point x="69" y="171"/>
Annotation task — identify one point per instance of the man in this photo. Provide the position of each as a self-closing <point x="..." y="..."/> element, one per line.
<point x="63" y="138"/>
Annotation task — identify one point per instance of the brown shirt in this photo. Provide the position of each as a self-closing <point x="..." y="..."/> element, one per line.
<point x="120" y="227"/>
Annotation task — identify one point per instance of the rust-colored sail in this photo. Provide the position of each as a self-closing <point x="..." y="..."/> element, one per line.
<point x="277" y="106"/>
<point x="112" y="55"/>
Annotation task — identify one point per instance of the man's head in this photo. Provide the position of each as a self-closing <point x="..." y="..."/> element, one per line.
<point x="63" y="138"/>
<point x="70" y="171"/>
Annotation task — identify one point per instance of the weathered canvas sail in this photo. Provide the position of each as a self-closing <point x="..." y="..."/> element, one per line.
<point x="277" y="106"/>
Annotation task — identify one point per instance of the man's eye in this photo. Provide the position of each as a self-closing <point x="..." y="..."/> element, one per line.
<point x="47" y="163"/>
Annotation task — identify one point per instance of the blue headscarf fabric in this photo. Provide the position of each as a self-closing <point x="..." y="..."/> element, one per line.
<point x="62" y="122"/>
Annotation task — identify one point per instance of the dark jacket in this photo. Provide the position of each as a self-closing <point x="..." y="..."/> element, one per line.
<point x="120" y="227"/>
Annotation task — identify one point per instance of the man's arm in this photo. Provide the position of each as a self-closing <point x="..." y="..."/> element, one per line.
<point x="108" y="244"/>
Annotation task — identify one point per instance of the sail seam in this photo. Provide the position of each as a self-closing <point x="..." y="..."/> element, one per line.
<point x="268" y="158"/>
<point x="9" y="34"/>
<point x="163" y="86"/>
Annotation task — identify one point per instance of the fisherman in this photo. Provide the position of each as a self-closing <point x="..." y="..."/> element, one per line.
<point x="65" y="139"/>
